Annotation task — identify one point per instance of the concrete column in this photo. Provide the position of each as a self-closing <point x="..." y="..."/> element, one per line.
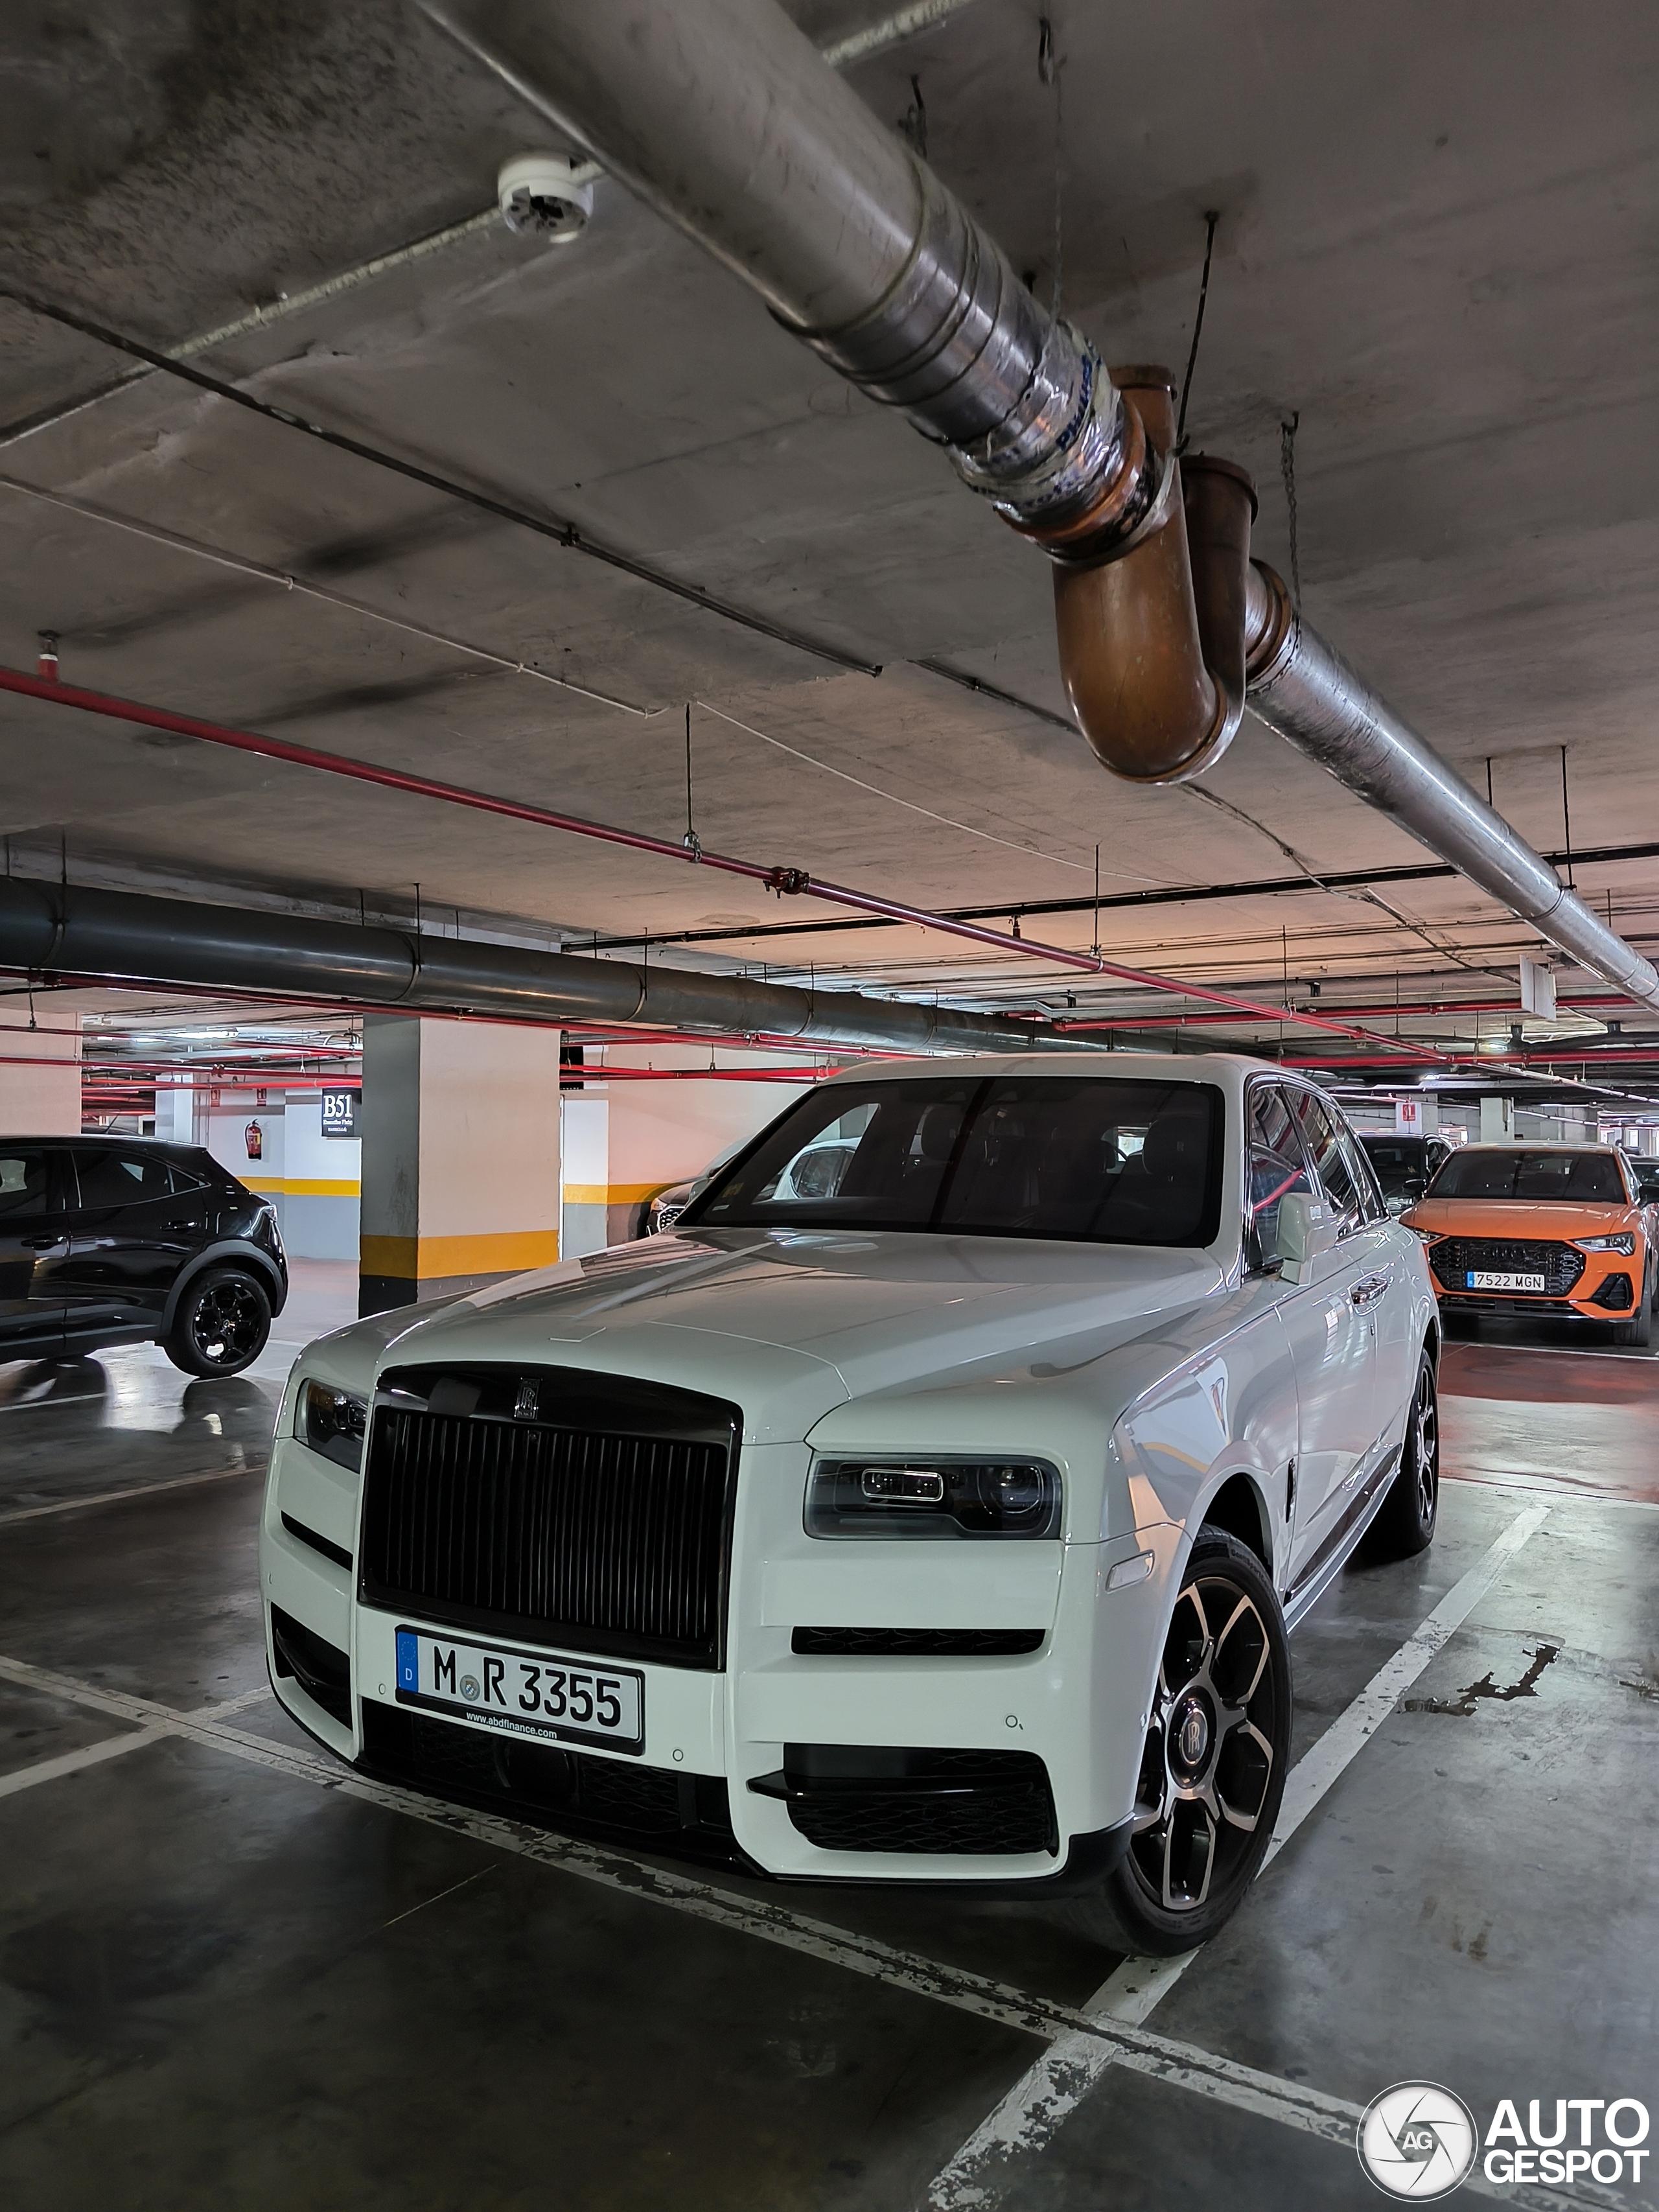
<point x="460" y="1156"/>
<point x="175" y="1111"/>
<point x="584" y="1153"/>
<point x="1497" y="1120"/>
<point x="40" y="1072"/>
<point x="321" y="1179"/>
<point x="633" y="1138"/>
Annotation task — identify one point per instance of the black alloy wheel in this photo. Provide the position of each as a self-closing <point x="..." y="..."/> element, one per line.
<point x="223" y="1323"/>
<point x="1212" y="1765"/>
<point x="1405" y="1524"/>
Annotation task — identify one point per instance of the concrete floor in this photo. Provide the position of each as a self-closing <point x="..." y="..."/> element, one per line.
<point x="229" y="1979"/>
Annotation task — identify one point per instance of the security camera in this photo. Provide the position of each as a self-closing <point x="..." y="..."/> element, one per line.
<point x="548" y="196"/>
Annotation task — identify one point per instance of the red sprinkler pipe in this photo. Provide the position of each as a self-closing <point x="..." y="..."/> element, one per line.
<point x="1447" y="1007"/>
<point x="781" y="880"/>
<point x="574" y="1079"/>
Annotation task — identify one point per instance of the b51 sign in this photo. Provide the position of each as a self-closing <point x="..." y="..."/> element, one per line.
<point x="340" y="1113"/>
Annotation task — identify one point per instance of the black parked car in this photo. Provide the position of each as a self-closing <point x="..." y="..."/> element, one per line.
<point x="1404" y="1165"/>
<point x="122" y="1240"/>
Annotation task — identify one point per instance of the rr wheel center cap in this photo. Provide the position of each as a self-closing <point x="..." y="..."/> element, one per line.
<point x="1190" y="1733"/>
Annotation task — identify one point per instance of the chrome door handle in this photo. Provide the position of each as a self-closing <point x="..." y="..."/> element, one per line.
<point x="42" y="1243"/>
<point x="1368" y="1290"/>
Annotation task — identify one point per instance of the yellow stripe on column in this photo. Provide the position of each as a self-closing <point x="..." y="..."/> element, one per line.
<point x="609" y="1193"/>
<point x="426" y="1259"/>
<point x="303" y="1186"/>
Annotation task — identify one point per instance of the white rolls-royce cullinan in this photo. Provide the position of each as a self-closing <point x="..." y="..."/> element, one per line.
<point x="937" y="1517"/>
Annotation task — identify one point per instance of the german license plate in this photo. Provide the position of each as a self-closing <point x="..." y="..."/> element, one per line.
<point x="1506" y="1282"/>
<point x="522" y="1692"/>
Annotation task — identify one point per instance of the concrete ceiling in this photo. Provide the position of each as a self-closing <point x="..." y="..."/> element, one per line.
<point x="1436" y="245"/>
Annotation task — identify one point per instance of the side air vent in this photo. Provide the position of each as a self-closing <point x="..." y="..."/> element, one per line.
<point x="301" y="1535"/>
<point x="914" y="1642"/>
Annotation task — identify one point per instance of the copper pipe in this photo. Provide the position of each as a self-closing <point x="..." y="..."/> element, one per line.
<point x="1151" y="642"/>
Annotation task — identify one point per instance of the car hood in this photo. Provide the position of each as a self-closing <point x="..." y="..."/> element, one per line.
<point x="1520" y="1216"/>
<point x="790" y="1324"/>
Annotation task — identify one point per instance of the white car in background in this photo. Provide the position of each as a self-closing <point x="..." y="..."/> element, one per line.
<point x="939" y="1518"/>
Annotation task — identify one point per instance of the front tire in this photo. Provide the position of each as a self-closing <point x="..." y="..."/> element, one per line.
<point x="221" y="1325"/>
<point x="1639" y="1331"/>
<point x="1405" y="1524"/>
<point x="1213" y="1766"/>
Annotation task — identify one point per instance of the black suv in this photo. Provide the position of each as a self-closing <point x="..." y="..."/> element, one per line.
<point x="1405" y="1165"/>
<point x="121" y="1240"/>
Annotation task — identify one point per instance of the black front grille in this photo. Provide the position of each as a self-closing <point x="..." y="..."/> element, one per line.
<point x="544" y="1783"/>
<point x="1455" y="1258"/>
<point x="600" y="1523"/>
<point x="866" y="1798"/>
<point x="913" y="1643"/>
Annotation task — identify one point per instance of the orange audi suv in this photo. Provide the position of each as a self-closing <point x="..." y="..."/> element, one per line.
<point x="1541" y="1229"/>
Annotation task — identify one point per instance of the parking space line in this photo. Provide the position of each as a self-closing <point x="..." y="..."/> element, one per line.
<point x="135" y="1490"/>
<point x="1181" y="2065"/>
<point x="109" y="1746"/>
<point x="1051" y="2089"/>
<point x="71" y="1762"/>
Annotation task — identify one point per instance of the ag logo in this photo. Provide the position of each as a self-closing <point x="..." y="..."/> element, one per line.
<point x="1416" y="2141"/>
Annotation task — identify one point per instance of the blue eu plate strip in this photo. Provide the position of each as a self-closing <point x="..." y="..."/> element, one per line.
<point x="409" y="1673"/>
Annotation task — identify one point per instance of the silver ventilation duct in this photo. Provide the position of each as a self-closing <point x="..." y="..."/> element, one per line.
<point x="62" y="929"/>
<point x="1302" y="687"/>
<point x="724" y="116"/>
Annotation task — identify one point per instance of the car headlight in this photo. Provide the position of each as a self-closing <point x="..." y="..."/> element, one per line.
<point x="1428" y="1236"/>
<point x="931" y="1495"/>
<point x="333" y="1422"/>
<point x="1623" y="1241"/>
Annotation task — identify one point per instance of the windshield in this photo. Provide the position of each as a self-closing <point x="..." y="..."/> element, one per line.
<point x="1082" y="1157"/>
<point x="1581" y="1178"/>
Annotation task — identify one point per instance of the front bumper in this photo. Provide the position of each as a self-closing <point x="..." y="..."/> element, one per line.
<point x="783" y="1765"/>
<point x="1609" y="1288"/>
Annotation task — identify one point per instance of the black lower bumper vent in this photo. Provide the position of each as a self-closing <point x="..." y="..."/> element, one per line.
<point x="854" y="1797"/>
<point x="614" y="1799"/>
<point x="321" y="1668"/>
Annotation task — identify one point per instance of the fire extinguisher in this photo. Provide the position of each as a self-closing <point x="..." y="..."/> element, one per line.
<point x="256" y="1141"/>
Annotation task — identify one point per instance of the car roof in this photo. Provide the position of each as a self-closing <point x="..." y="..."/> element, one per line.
<point x="1228" y="1068"/>
<point x="1540" y="1145"/>
<point x="107" y="1138"/>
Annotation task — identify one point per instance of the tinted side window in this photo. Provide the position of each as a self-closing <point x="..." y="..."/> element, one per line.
<point x="1276" y="1167"/>
<point x="25" y="1179"/>
<point x="1372" y="1203"/>
<point x="120" y="1178"/>
<point x="1330" y="1148"/>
